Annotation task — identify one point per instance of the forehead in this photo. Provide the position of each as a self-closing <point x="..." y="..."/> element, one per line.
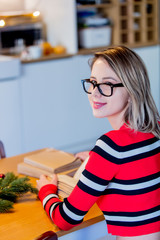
<point x="102" y="69"/>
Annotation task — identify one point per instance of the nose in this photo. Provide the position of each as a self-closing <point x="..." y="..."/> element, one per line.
<point x="95" y="92"/>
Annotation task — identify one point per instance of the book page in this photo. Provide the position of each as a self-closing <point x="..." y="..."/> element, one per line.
<point x="67" y="183"/>
<point x="80" y="169"/>
<point x="29" y="170"/>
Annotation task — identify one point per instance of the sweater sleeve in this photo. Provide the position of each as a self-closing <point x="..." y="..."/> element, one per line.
<point x="93" y="182"/>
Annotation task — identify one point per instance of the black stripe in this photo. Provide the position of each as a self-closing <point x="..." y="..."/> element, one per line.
<point x="73" y="209"/>
<point x="129" y="147"/>
<point x="118" y="161"/>
<point x="57" y="203"/>
<point x="138" y="180"/>
<point x="133" y="224"/>
<point x="67" y="218"/>
<point x="132" y="214"/>
<point x="48" y="201"/>
<point x="94" y="178"/>
<point x="106" y="155"/>
<point x="88" y="190"/>
<point x="131" y="192"/>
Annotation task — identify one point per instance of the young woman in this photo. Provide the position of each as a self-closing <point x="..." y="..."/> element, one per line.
<point x="123" y="171"/>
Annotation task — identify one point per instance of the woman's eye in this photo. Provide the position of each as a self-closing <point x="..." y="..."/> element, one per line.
<point x="108" y="83"/>
<point x="93" y="81"/>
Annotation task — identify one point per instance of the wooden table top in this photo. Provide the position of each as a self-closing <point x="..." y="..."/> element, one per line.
<point x="28" y="219"/>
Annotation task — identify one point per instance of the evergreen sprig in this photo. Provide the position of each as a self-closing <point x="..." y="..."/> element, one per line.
<point x="5" y="205"/>
<point x="12" y="187"/>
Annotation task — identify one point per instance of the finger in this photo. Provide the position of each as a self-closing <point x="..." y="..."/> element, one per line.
<point x="43" y="177"/>
<point x="54" y="179"/>
<point x="37" y="184"/>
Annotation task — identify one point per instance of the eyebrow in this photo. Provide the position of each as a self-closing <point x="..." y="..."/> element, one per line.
<point x="105" y="78"/>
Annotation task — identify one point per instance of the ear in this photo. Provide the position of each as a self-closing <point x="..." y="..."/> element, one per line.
<point x="129" y="99"/>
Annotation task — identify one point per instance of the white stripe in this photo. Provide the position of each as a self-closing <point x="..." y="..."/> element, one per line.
<point x="92" y="184"/>
<point x="71" y="214"/>
<point x="133" y="219"/>
<point x="136" y="186"/>
<point x="52" y="208"/>
<point x="48" y="198"/>
<point x="128" y="153"/>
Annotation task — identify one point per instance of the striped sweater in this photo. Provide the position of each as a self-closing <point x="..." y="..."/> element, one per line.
<point x="123" y="177"/>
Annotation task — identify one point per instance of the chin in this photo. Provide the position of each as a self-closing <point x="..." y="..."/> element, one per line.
<point x="96" y="115"/>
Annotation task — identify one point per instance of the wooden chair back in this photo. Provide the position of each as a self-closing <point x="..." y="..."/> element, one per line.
<point x="50" y="235"/>
<point x="2" y="150"/>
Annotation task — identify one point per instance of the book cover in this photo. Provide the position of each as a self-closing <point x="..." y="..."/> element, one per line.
<point x="53" y="161"/>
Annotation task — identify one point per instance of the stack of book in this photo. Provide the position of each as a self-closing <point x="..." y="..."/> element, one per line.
<point x="51" y="161"/>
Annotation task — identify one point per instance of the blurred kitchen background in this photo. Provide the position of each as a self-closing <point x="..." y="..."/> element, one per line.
<point x="44" y="50"/>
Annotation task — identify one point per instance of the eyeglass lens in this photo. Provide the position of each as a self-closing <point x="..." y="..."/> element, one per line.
<point x="104" y="89"/>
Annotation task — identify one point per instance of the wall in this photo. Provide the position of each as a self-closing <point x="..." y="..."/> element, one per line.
<point x="56" y="112"/>
<point x="11" y="5"/>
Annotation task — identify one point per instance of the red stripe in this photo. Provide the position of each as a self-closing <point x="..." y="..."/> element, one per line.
<point x="140" y="168"/>
<point x="60" y="222"/>
<point x="83" y="201"/>
<point x="134" y="231"/>
<point x="129" y="203"/>
<point x="100" y="167"/>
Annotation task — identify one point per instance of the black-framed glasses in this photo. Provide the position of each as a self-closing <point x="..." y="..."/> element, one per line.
<point x="106" y="89"/>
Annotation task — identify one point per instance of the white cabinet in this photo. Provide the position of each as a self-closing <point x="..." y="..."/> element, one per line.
<point x="55" y="109"/>
<point x="10" y="119"/>
<point x="151" y="58"/>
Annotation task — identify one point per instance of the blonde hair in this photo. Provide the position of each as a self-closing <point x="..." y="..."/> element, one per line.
<point x="142" y="114"/>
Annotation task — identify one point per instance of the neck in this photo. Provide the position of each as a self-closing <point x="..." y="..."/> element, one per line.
<point x="116" y="124"/>
<point x="117" y="120"/>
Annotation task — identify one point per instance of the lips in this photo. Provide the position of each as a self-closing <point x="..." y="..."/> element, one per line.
<point x="98" y="105"/>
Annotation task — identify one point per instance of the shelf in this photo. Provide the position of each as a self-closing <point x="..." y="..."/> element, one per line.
<point x="136" y="23"/>
<point x="123" y="17"/>
<point x="85" y="51"/>
<point x="93" y="50"/>
<point x="89" y="51"/>
<point x="48" y="57"/>
<point x="103" y="5"/>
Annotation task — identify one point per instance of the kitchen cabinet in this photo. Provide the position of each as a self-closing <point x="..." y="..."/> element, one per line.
<point x="55" y="109"/>
<point x="151" y="57"/>
<point x="10" y="120"/>
<point x="137" y="23"/>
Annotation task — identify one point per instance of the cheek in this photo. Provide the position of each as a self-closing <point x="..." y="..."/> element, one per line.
<point x="120" y="99"/>
<point x="125" y="97"/>
<point x="123" y="100"/>
<point x="122" y="94"/>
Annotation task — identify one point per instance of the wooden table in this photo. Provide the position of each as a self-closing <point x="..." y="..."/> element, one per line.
<point x="28" y="219"/>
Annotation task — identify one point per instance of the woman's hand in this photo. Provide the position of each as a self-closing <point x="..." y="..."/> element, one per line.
<point x="82" y="155"/>
<point x="44" y="180"/>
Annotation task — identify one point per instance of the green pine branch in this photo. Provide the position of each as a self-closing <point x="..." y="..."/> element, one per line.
<point x="9" y="177"/>
<point x="5" y="205"/>
<point x="12" y="187"/>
